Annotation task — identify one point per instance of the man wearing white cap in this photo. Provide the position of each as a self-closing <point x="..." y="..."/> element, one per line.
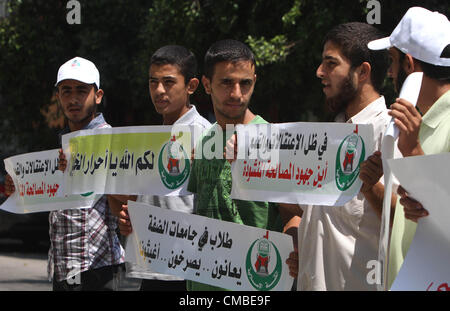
<point x="78" y="92"/>
<point x="85" y="236"/>
<point x="85" y="252"/>
<point x="419" y="43"/>
<point x="83" y="241"/>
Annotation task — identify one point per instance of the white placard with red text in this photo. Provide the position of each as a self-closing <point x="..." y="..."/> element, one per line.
<point x="207" y="250"/>
<point x="426" y="264"/>
<point x="303" y="162"/>
<point x="38" y="184"/>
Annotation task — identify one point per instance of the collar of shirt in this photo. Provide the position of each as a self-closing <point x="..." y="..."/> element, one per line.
<point x="371" y="111"/>
<point x="98" y="121"/>
<point x="437" y="112"/>
<point x="188" y="117"/>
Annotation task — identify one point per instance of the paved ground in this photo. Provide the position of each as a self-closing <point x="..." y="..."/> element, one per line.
<point x="23" y="272"/>
<point x="27" y="271"/>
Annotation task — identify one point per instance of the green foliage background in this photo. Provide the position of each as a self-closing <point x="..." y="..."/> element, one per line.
<point x="119" y="36"/>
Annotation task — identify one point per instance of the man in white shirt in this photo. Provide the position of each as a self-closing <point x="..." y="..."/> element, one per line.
<point x="335" y="243"/>
<point x="171" y="81"/>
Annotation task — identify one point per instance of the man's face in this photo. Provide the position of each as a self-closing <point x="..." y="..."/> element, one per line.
<point x="78" y="101"/>
<point x="338" y="78"/>
<point x="231" y="88"/>
<point x="396" y="71"/>
<point x="168" y="90"/>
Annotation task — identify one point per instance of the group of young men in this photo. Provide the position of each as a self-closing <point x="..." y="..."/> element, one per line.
<point x="332" y="244"/>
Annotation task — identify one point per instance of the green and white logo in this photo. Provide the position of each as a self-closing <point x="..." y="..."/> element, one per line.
<point x="350" y="155"/>
<point x="263" y="264"/>
<point x="173" y="164"/>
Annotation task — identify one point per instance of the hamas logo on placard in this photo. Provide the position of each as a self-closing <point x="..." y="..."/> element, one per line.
<point x="173" y="164"/>
<point x="350" y="155"/>
<point x="263" y="264"/>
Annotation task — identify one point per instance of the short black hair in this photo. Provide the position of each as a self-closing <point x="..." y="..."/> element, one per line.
<point x="352" y="38"/>
<point x="226" y="51"/>
<point x="179" y="56"/>
<point x="441" y="73"/>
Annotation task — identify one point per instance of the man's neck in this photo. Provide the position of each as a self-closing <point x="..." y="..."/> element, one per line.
<point x="245" y="119"/>
<point x="362" y="99"/>
<point x="430" y="92"/>
<point x="76" y="126"/>
<point x="172" y="118"/>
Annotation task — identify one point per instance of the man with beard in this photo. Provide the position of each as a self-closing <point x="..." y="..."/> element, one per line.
<point x="335" y="243"/>
<point x="419" y="43"/>
<point x="85" y="252"/>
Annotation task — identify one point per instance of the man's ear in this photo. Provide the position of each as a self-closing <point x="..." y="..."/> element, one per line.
<point x="408" y="64"/>
<point x="206" y="84"/>
<point x="192" y="85"/>
<point x="57" y="95"/>
<point x="364" y="71"/>
<point x="99" y="96"/>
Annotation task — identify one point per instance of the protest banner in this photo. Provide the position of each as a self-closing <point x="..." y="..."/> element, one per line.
<point x="38" y="184"/>
<point x="207" y="250"/>
<point x="426" y="264"/>
<point x="410" y="92"/>
<point x="129" y="160"/>
<point x="307" y="163"/>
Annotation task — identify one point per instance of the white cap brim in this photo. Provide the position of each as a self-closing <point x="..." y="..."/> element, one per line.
<point x="380" y="44"/>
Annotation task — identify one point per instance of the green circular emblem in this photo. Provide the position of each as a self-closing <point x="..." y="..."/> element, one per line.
<point x="350" y="155"/>
<point x="262" y="273"/>
<point x="173" y="164"/>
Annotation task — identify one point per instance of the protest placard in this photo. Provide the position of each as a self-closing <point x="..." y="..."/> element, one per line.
<point x="130" y="160"/>
<point x="307" y="163"/>
<point x="426" y="264"/>
<point x="207" y="250"/>
<point x="38" y="184"/>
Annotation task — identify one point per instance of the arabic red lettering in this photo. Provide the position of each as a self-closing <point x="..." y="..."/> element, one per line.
<point x="443" y="288"/>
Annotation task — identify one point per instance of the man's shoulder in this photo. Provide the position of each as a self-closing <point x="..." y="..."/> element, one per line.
<point x="103" y="126"/>
<point x="258" y="120"/>
<point x="376" y="112"/>
<point x="192" y="117"/>
<point x="202" y="122"/>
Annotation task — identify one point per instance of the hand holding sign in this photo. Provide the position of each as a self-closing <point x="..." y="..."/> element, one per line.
<point x="406" y="117"/>
<point x="124" y="221"/>
<point x="62" y="164"/>
<point x="408" y="120"/>
<point x="9" y="185"/>
<point x="413" y="209"/>
<point x="371" y="171"/>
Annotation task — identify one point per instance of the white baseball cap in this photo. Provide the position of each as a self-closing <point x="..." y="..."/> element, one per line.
<point x="422" y="34"/>
<point x="79" y="69"/>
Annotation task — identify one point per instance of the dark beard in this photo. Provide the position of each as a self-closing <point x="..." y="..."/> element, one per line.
<point x="92" y="110"/>
<point x="339" y="103"/>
